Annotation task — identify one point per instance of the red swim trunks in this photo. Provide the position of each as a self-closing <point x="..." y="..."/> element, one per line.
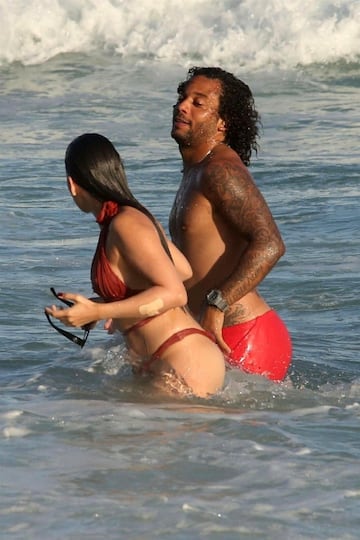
<point x="261" y="346"/>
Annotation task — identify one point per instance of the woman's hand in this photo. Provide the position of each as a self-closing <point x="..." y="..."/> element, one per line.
<point x="83" y="312"/>
<point x="109" y="326"/>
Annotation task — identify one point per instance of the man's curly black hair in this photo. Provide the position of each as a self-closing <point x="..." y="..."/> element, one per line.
<point x="236" y="108"/>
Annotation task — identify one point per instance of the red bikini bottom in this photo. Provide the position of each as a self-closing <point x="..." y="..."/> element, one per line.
<point x="178" y="336"/>
<point x="261" y="346"/>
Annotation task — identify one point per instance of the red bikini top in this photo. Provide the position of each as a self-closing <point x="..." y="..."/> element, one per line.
<point x="104" y="282"/>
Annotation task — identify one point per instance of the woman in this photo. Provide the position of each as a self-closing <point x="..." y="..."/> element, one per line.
<point x="139" y="276"/>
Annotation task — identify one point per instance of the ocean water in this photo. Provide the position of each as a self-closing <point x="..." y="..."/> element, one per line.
<point x="86" y="453"/>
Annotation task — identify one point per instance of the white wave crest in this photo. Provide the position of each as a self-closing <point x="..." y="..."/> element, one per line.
<point x="249" y="33"/>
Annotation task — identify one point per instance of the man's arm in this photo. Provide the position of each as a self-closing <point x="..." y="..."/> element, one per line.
<point x="236" y="199"/>
<point x="238" y="204"/>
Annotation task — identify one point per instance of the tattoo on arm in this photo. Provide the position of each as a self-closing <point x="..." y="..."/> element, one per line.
<point x="242" y="208"/>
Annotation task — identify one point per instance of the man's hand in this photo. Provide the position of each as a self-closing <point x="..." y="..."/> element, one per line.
<point x="212" y="320"/>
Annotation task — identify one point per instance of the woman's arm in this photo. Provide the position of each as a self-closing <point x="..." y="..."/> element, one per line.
<point x="135" y="251"/>
<point x="181" y="263"/>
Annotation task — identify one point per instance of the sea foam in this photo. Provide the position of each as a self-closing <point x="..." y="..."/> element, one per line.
<point x="251" y="34"/>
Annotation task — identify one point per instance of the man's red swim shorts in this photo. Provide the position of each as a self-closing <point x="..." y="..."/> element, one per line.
<point x="260" y="346"/>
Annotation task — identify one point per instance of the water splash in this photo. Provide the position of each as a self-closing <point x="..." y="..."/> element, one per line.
<point x="250" y="34"/>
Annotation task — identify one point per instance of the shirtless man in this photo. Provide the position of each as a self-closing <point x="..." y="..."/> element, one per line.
<point x="222" y="223"/>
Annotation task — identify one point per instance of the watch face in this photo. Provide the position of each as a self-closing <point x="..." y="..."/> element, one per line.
<point x="214" y="298"/>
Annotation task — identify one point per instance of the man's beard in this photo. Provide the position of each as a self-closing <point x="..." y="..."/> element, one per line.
<point x="182" y="140"/>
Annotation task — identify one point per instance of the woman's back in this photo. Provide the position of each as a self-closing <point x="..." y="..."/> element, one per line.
<point x="138" y="274"/>
<point x="192" y="355"/>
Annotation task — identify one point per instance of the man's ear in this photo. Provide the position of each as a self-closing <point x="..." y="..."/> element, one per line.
<point x="72" y="186"/>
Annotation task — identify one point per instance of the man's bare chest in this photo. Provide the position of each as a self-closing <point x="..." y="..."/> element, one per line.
<point x="189" y="215"/>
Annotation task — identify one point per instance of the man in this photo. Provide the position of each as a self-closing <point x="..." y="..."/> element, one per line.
<point x="222" y="223"/>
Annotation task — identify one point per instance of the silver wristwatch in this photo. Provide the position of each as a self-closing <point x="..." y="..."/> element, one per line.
<point x="215" y="298"/>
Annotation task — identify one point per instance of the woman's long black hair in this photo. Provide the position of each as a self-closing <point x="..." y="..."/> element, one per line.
<point x="95" y="165"/>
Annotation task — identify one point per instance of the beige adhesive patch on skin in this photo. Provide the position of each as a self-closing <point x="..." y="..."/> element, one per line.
<point x="151" y="309"/>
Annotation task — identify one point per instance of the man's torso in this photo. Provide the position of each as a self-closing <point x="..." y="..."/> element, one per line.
<point x="212" y="247"/>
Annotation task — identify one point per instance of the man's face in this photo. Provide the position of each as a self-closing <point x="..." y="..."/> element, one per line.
<point x="196" y="118"/>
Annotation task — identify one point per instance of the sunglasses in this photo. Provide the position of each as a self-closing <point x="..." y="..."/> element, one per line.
<point x="72" y="337"/>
